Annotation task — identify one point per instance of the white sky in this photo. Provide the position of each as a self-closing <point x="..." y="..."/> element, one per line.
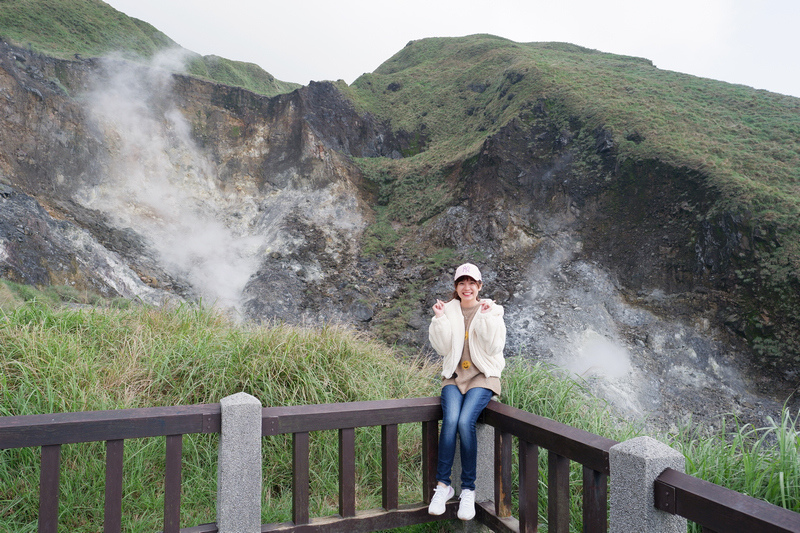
<point x="750" y="42"/>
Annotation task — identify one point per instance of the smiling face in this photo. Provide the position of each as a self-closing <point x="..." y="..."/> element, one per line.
<point x="467" y="290"/>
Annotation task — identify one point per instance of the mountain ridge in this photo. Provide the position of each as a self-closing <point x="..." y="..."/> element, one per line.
<point x="598" y="193"/>
<point x="740" y="144"/>
<point x="92" y="28"/>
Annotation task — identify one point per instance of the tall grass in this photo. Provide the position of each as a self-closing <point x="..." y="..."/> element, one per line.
<point x="76" y="360"/>
<point x="763" y="462"/>
<point x="58" y="360"/>
<point x="546" y="391"/>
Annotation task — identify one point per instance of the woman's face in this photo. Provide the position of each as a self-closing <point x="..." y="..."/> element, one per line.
<point x="467" y="289"/>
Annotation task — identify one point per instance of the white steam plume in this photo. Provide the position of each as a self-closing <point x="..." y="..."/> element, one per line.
<point x="161" y="185"/>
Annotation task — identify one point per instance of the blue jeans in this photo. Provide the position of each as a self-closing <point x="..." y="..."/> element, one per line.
<point x="459" y="414"/>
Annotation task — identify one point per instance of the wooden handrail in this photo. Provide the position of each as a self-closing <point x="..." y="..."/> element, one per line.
<point x="303" y="418"/>
<point x="575" y="444"/>
<point x="720" y="509"/>
<point x="96" y="426"/>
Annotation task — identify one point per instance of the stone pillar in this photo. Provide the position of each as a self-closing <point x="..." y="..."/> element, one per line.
<point x="239" y="468"/>
<point x="635" y="465"/>
<point x="484" y="481"/>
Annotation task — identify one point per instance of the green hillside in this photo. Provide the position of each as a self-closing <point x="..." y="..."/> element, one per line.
<point x="459" y="91"/>
<point x="451" y="94"/>
<point x="90" y="28"/>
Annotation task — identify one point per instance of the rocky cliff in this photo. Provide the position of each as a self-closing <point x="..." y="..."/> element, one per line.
<point x="133" y="181"/>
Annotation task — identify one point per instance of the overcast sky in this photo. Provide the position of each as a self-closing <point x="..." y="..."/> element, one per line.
<point x="750" y="42"/>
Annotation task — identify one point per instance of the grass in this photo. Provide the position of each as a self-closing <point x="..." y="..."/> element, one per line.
<point x="760" y="462"/>
<point x="74" y="360"/>
<point x="85" y="27"/>
<point x="14" y="294"/>
<point x="91" y="28"/>
<point x="406" y="193"/>
<point x="239" y="74"/>
<point x="66" y="359"/>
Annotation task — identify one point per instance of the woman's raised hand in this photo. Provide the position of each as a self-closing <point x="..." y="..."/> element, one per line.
<point x="486" y="305"/>
<point x="438" y="308"/>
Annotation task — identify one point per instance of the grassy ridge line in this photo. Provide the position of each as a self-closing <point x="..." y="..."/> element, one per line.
<point x="240" y="74"/>
<point x="87" y="27"/>
<point x="56" y="360"/>
<point x="459" y="91"/>
<point x="63" y="28"/>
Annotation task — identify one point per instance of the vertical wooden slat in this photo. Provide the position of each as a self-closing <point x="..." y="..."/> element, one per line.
<point x="502" y="473"/>
<point x="112" y="521"/>
<point x="430" y="458"/>
<point x="595" y="501"/>
<point x="347" y="472"/>
<point x="48" y="488"/>
<point x="389" y="466"/>
<point x="528" y="487"/>
<point x="172" y="484"/>
<point x="300" y="478"/>
<point x="557" y="493"/>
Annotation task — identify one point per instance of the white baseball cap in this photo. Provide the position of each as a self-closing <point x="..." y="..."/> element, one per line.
<point x="468" y="269"/>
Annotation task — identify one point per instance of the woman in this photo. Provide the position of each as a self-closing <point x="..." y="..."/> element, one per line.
<point x="470" y="334"/>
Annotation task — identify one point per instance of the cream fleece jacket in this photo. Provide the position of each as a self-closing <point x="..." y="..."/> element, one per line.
<point x="487" y="338"/>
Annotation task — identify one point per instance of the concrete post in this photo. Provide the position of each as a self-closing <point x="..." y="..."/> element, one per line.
<point x="239" y="468"/>
<point x="484" y="481"/>
<point x="635" y="465"/>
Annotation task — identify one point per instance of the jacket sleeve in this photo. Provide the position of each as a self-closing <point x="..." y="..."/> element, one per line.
<point x="440" y="334"/>
<point x="489" y="336"/>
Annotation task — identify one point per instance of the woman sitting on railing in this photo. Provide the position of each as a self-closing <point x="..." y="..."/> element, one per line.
<point x="470" y="334"/>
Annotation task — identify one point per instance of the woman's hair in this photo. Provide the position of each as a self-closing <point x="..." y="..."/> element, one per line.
<point x="455" y="283"/>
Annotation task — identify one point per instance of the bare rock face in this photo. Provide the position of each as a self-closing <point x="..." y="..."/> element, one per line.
<point x="187" y="188"/>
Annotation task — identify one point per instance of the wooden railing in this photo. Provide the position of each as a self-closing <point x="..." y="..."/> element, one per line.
<point x="718" y="509"/>
<point x="564" y="444"/>
<point x="675" y="492"/>
<point x="114" y="427"/>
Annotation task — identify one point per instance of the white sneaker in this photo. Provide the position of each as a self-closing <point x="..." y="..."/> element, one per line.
<point x="466" y="508"/>
<point x="440" y="496"/>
